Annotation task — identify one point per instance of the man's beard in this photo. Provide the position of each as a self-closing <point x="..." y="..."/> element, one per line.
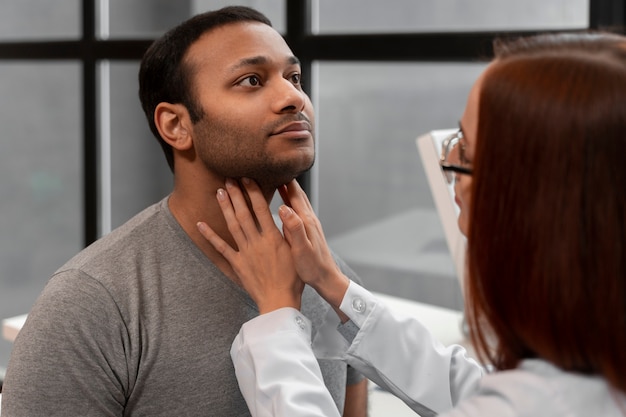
<point x="273" y="175"/>
<point x="218" y="145"/>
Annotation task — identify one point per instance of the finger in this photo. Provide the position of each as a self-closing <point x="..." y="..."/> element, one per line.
<point x="218" y="243"/>
<point x="303" y="208"/>
<point x="232" y="222"/>
<point x="293" y="229"/>
<point x="297" y="198"/>
<point x="259" y="204"/>
<point x="244" y="217"/>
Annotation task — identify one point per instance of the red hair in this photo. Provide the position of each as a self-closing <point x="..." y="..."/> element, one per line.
<point x="547" y="238"/>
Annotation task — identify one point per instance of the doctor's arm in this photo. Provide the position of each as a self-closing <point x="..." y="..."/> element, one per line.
<point x="273" y="285"/>
<point x="277" y="371"/>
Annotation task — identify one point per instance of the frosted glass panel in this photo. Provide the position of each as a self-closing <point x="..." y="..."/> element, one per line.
<point x="140" y="18"/>
<point x="275" y="10"/>
<point x="151" y="18"/>
<point x="140" y="175"/>
<point x="371" y="16"/>
<point x="40" y="179"/>
<point x="373" y="197"/>
<point x="39" y="19"/>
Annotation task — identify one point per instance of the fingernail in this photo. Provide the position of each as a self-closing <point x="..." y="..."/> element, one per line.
<point x="285" y="211"/>
<point x="245" y="180"/>
<point x="230" y="182"/>
<point x="221" y="194"/>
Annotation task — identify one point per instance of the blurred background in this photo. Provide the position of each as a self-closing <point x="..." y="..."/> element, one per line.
<point x="78" y="159"/>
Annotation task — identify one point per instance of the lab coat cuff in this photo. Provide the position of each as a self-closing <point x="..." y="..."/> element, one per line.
<point x="285" y="319"/>
<point x="358" y="303"/>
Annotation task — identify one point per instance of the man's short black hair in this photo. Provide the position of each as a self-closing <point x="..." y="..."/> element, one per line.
<point x="164" y="77"/>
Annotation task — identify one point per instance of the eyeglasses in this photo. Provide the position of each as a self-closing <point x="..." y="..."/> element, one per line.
<point x="449" y="148"/>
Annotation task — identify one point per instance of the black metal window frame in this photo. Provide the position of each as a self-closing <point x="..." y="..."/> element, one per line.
<point x="416" y="47"/>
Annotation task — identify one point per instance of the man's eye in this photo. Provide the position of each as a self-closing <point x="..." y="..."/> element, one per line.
<point x="296" y="78"/>
<point x="251" y="81"/>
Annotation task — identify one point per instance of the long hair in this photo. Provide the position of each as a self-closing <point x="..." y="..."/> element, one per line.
<point x="163" y="75"/>
<point x="547" y="234"/>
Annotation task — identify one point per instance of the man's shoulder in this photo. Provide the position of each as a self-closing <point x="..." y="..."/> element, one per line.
<point x="123" y="241"/>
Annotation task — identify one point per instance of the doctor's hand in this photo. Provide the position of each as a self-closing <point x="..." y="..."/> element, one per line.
<point x="311" y="255"/>
<point x="262" y="259"/>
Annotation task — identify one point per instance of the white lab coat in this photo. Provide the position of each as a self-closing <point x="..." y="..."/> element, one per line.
<point x="279" y="376"/>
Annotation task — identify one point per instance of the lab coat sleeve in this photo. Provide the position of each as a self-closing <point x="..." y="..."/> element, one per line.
<point x="277" y="371"/>
<point x="399" y="354"/>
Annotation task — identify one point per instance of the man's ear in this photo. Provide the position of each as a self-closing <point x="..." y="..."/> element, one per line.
<point x="174" y="125"/>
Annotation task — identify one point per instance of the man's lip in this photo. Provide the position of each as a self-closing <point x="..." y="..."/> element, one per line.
<point x="293" y="127"/>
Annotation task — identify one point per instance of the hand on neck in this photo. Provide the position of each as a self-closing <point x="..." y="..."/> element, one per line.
<point x="195" y="201"/>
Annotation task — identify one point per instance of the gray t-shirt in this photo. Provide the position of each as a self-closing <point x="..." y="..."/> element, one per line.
<point x="140" y="323"/>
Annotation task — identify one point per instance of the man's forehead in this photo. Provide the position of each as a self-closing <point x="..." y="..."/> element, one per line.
<point x="241" y="44"/>
<point x="260" y="60"/>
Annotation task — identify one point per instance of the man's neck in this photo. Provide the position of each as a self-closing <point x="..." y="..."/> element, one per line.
<point x="192" y="206"/>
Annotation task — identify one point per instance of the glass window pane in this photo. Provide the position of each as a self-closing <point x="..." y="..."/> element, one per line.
<point x="140" y="175"/>
<point x="150" y="18"/>
<point x="275" y="10"/>
<point x="40" y="19"/>
<point x="140" y="18"/>
<point x="373" y="197"/>
<point x="41" y="225"/>
<point x="371" y="16"/>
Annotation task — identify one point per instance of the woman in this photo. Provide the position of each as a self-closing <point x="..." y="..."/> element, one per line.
<point x="540" y="181"/>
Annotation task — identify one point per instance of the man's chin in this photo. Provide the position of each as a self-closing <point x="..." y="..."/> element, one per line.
<point x="273" y="182"/>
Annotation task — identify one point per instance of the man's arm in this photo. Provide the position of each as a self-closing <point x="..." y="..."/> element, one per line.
<point x="64" y="359"/>
<point x="356" y="399"/>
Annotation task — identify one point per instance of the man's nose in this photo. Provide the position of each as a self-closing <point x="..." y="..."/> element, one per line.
<point x="288" y="97"/>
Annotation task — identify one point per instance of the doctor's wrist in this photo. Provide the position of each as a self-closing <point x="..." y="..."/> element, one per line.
<point x="279" y="301"/>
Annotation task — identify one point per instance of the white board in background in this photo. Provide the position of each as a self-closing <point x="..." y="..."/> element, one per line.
<point x="429" y="147"/>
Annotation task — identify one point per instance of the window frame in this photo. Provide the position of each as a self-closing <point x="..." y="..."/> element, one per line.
<point x="89" y="50"/>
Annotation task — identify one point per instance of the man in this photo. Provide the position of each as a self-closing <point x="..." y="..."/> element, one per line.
<point x="141" y="322"/>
